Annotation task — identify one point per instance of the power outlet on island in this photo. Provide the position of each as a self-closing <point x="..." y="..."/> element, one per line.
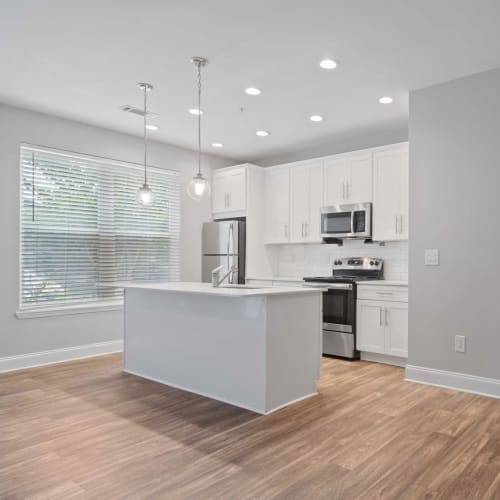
<point x="459" y="343"/>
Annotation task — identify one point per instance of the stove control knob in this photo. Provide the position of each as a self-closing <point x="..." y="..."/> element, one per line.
<point x="372" y="263"/>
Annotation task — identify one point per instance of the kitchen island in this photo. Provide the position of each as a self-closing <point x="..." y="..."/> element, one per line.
<point x="256" y="348"/>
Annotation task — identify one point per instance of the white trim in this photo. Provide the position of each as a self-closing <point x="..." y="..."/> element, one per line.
<point x="453" y="380"/>
<point x="40" y="312"/>
<point x="383" y="358"/>
<point x="217" y="398"/>
<point x="22" y="361"/>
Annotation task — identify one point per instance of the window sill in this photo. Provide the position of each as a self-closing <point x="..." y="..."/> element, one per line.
<point x="70" y="310"/>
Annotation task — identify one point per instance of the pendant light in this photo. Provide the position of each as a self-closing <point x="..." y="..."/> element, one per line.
<point x="199" y="187"/>
<point x="145" y="195"/>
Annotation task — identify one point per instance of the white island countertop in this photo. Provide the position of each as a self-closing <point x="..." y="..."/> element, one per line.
<point x="222" y="290"/>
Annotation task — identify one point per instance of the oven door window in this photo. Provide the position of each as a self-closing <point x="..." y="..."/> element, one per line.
<point x="336" y="308"/>
<point x="336" y="223"/>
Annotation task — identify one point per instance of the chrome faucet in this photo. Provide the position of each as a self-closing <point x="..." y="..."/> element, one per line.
<point x="217" y="280"/>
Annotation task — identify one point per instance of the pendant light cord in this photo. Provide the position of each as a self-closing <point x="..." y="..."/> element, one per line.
<point x="199" y="117"/>
<point x="145" y="140"/>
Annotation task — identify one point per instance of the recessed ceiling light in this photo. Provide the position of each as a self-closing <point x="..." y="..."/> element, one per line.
<point x="217" y="145"/>
<point x="316" y="118"/>
<point x="262" y="133"/>
<point x="328" y="64"/>
<point x="150" y="126"/>
<point x="195" y="111"/>
<point x="252" y="91"/>
<point x="385" y="100"/>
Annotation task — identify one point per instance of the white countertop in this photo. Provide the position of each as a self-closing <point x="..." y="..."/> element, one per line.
<point x="367" y="282"/>
<point x="275" y="278"/>
<point x="383" y="283"/>
<point x="208" y="289"/>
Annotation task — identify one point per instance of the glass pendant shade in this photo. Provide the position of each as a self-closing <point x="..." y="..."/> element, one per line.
<point x="198" y="187"/>
<point x="145" y="195"/>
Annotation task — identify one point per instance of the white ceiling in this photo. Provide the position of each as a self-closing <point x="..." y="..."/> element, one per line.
<point x="81" y="60"/>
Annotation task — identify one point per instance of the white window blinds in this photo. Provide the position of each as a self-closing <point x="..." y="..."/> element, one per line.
<point x="83" y="229"/>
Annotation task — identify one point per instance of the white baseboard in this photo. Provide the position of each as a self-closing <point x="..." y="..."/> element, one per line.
<point x="22" y="361"/>
<point x="453" y="380"/>
<point x="383" y="358"/>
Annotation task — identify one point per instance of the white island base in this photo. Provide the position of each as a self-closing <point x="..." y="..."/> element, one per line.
<point x="257" y="349"/>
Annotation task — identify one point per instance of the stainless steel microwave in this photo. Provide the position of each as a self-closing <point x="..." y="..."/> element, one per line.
<point x="346" y="221"/>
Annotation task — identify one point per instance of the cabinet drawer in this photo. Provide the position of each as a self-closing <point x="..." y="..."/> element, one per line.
<point x="386" y="293"/>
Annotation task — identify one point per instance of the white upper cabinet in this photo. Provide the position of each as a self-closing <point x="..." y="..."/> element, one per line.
<point x="229" y="191"/>
<point x="390" y="193"/>
<point x="336" y="175"/>
<point x="277" y="202"/>
<point x="306" y="199"/>
<point x="348" y="179"/>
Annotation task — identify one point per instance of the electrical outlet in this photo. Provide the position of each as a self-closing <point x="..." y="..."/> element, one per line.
<point x="432" y="257"/>
<point x="459" y="343"/>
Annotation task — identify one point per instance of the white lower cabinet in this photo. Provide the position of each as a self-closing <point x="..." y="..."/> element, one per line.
<point x="382" y="325"/>
<point x="370" y="326"/>
<point x="396" y="335"/>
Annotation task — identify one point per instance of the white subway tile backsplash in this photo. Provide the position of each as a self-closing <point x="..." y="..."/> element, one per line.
<point x="317" y="259"/>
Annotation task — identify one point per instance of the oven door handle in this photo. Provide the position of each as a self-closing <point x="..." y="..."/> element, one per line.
<point x="330" y="286"/>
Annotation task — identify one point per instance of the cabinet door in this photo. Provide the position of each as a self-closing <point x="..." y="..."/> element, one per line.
<point x="278" y="205"/>
<point x="387" y="181"/>
<point x="313" y="228"/>
<point x="404" y="200"/>
<point x="370" y="336"/>
<point x="336" y="176"/>
<point x="220" y="187"/>
<point x="359" y="187"/>
<point x="236" y="189"/>
<point x="396" y="329"/>
<point x="299" y="202"/>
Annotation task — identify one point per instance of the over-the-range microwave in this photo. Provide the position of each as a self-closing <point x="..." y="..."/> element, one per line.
<point x="346" y="222"/>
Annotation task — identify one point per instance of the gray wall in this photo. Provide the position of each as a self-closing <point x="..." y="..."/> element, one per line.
<point x="454" y="134"/>
<point x="18" y="125"/>
<point x="362" y="139"/>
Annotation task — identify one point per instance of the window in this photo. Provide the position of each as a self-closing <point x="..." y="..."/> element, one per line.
<point x="82" y="229"/>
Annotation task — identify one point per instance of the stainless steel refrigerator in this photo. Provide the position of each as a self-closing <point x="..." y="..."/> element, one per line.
<point x="223" y="244"/>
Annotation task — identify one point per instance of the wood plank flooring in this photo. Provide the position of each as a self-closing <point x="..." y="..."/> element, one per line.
<point x="86" y="430"/>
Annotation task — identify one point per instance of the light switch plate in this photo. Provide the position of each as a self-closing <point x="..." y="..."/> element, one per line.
<point x="432" y="257"/>
<point x="460" y="343"/>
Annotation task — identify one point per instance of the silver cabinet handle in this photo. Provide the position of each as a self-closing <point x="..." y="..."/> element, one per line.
<point x="285" y="227"/>
<point x="380" y="316"/>
<point x="302" y="230"/>
<point x="343" y="190"/>
<point x="306" y="228"/>
<point x="347" y="188"/>
<point x="396" y="223"/>
<point x="386" y="314"/>
<point x="401" y="224"/>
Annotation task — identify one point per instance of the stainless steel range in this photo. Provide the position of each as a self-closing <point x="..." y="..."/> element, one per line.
<point x="339" y="302"/>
